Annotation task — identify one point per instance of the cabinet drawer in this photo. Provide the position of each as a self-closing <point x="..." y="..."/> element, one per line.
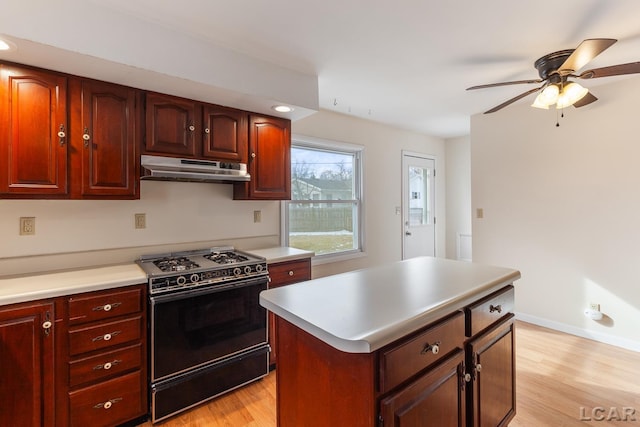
<point x="401" y="362"/>
<point x="108" y="403"/>
<point x="100" y="306"/>
<point x="104" y="365"/>
<point x="284" y="273"/>
<point x="487" y="311"/>
<point x="84" y="339"/>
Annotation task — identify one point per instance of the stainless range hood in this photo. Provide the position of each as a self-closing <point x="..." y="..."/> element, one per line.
<point x="174" y="169"/>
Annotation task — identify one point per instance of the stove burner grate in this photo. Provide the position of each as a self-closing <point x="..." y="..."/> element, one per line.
<point x="226" y="257"/>
<point x="175" y="264"/>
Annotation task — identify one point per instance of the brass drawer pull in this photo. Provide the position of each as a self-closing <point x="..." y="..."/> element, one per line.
<point x="497" y="308"/>
<point x="107" y="307"/>
<point x="108" y="404"/>
<point x="431" y="348"/>
<point x="106" y="337"/>
<point x="108" y="365"/>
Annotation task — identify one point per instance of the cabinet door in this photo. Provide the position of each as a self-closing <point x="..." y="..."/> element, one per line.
<point x="434" y="399"/>
<point x="26" y="358"/>
<point x="491" y="358"/>
<point x="171" y="125"/>
<point x="104" y="129"/>
<point x="269" y="160"/>
<point x="33" y="132"/>
<point x="226" y="133"/>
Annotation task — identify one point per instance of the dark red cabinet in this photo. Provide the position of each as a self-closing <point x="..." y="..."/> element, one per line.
<point x="34" y="140"/>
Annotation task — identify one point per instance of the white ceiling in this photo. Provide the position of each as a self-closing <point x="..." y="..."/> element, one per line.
<point x="404" y="63"/>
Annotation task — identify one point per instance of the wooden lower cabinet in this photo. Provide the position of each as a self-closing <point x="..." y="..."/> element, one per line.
<point x="491" y="357"/>
<point x="27" y="365"/>
<point x="435" y="399"/>
<point x="282" y="274"/>
<point x="105" y="380"/>
<point x="457" y="371"/>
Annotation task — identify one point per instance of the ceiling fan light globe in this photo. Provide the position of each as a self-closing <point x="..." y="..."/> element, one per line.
<point x="539" y="104"/>
<point x="571" y="94"/>
<point x="549" y="95"/>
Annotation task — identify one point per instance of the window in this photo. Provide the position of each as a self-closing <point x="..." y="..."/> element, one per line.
<point x="325" y="211"/>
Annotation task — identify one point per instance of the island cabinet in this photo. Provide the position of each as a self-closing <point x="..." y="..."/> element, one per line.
<point x="186" y="128"/>
<point x="102" y="366"/>
<point x="458" y="370"/>
<point x="269" y="160"/>
<point x="27" y="364"/>
<point x="281" y="274"/>
<point x="66" y="137"/>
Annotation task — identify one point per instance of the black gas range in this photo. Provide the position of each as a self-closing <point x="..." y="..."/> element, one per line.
<point x="208" y="332"/>
<point x="171" y="272"/>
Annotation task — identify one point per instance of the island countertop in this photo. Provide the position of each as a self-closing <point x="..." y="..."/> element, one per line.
<point x="364" y="310"/>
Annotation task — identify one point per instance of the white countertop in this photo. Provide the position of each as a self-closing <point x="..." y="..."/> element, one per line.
<point x="281" y="254"/>
<point x="48" y="285"/>
<point x="362" y="311"/>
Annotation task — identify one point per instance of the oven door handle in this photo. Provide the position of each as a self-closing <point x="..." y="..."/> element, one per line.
<point x="199" y="291"/>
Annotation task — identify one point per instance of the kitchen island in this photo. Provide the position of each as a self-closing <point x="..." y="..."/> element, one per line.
<point x="398" y="344"/>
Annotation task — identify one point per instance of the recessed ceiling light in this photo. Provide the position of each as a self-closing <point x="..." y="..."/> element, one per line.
<point x="282" y="108"/>
<point x="6" y="45"/>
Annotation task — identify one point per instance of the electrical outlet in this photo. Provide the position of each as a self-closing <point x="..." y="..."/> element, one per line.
<point x="479" y="213"/>
<point x="257" y="216"/>
<point x="594" y="307"/>
<point x="140" y="220"/>
<point x="27" y="225"/>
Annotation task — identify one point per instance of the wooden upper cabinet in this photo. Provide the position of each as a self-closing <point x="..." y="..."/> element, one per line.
<point x="225" y="133"/>
<point x="33" y="132"/>
<point x="26" y="358"/>
<point x="171" y="125"/>
<point x="105" y="132"/>
<point x="269" y="160"/>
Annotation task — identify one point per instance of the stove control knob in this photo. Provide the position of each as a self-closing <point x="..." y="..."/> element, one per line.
<point x="259" y="268"/>
<point x="181" y="280"/>
<point x="194" y="278"/>
<point x="237" y="271"/>
<point x="247" y="270"/>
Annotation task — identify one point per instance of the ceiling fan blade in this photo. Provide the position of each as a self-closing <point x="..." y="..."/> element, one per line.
<point x="511" y="101"/>
<point x="586" y="100"/>
<point x="516" y="82"/>
<point x="613" y="70"/>
<point x="585" y="52"/>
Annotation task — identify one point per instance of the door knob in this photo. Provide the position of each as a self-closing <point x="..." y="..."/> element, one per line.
<point x="407" y="233"/>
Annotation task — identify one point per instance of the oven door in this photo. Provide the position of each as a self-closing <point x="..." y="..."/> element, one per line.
<point x="194" y="328"/>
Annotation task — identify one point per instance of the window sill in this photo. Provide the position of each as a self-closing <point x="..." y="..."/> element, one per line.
<point x="330" y="258"/>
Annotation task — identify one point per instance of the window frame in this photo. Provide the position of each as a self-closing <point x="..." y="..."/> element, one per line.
<point x="357" y="151"/>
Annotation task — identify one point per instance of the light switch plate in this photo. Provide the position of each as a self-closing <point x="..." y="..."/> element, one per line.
<point x="140" y="220"/>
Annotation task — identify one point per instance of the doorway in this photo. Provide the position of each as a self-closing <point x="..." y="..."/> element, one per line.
<point x="418" y="205"/>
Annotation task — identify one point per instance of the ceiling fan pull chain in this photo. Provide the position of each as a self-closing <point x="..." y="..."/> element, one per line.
<point x="557" y="121"/>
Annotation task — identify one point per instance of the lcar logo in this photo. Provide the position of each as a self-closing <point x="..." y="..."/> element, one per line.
<point x="614" y="413"/>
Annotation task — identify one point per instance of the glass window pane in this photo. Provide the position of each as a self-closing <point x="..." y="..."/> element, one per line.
<point x="323" y="227"/>
<point x="419" y="196"/>
<point x="321" y="175"/>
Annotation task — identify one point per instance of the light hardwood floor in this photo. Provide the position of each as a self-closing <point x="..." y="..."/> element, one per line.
<point x="557" y="375"/>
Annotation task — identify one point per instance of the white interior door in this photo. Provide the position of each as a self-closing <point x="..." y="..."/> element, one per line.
<point x="418" y="205"/>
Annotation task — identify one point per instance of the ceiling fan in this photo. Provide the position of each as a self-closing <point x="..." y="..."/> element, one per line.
<point x="556" y="71"/>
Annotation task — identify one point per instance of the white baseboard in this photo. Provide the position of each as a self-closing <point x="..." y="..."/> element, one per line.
<point x="584" y="333"/>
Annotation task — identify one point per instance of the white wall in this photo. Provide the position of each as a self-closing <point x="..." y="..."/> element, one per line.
<point x="77" y="233"/>
<point x="458" y="177"/>
<point x="382" y="182"/>
<point x="561" y="204"/>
